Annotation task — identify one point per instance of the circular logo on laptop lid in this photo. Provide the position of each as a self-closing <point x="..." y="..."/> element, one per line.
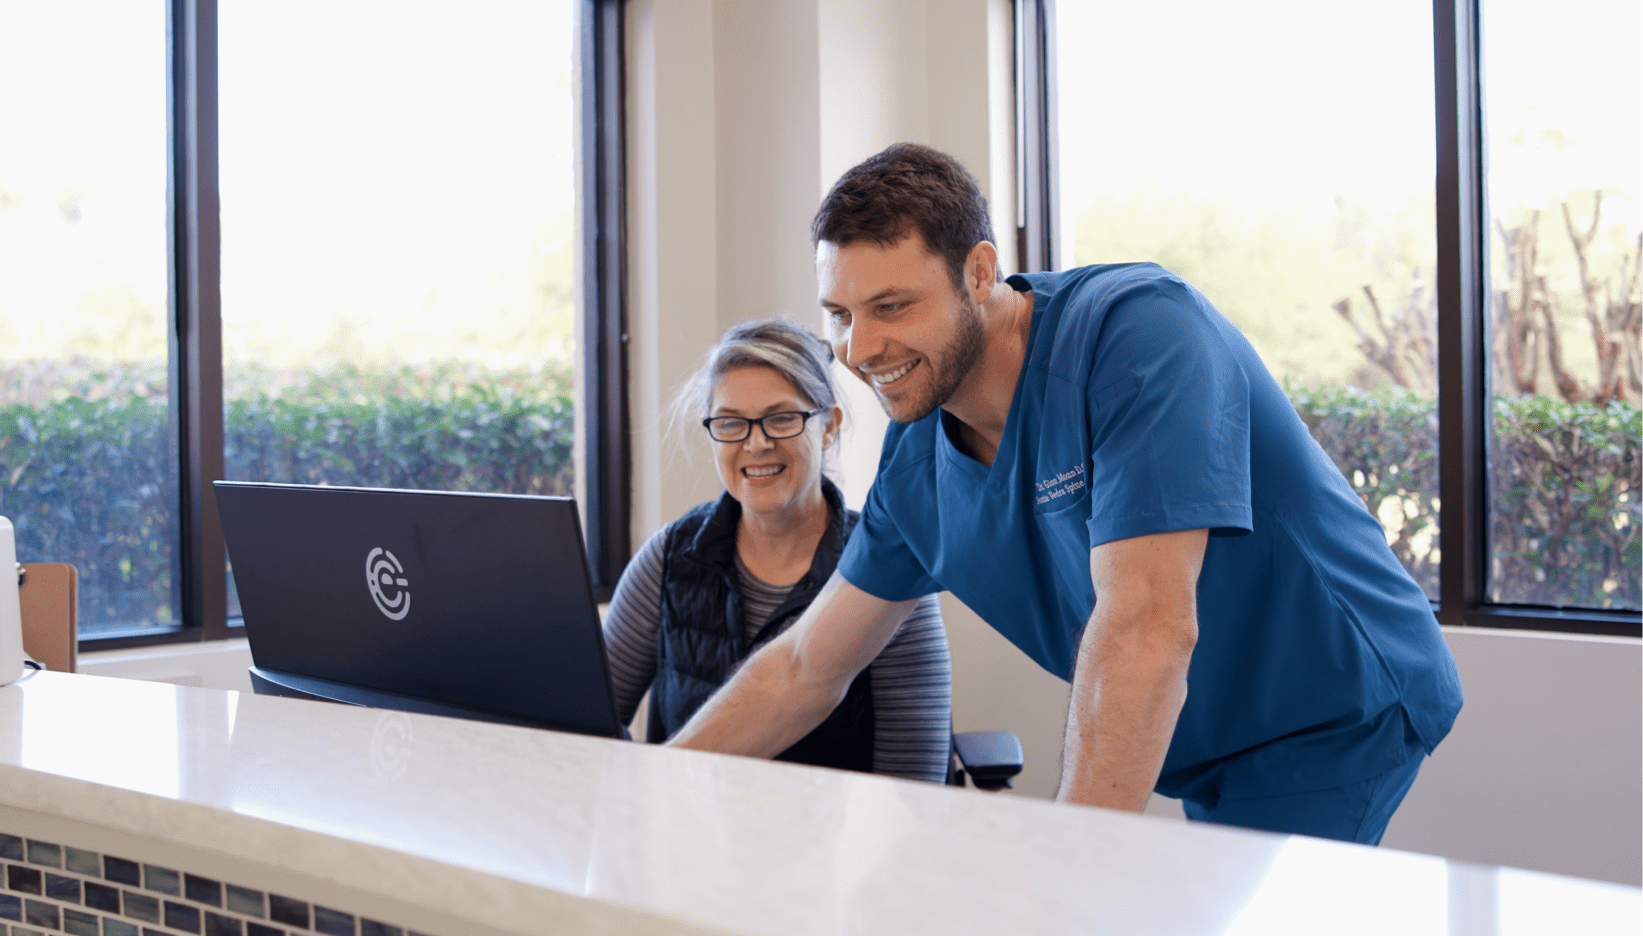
<point x="385" y="576"/>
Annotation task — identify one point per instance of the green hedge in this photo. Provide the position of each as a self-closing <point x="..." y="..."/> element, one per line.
<point x="90" y="481"/>
<point x="478" y="440"/>
<point x="1564" y="480"/>
<point x="1566" y="504"/>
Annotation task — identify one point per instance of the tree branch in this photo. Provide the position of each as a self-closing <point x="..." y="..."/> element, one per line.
<point x="1608" y="350"/>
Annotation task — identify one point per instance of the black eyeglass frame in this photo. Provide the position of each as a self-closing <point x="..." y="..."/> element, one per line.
<point x="804" y="421"/>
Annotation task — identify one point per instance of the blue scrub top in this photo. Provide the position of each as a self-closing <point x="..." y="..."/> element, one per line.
<point x="1141" y="409"/>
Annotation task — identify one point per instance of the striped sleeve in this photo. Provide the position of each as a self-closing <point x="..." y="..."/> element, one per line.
<point x="912" y="681"/>
<point x="630" y="627"/>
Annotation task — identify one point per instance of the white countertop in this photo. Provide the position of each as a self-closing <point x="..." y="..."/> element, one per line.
<point x="375" y="799"/>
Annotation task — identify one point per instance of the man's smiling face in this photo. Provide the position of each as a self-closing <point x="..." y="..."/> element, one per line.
<point x="897" y="323"/>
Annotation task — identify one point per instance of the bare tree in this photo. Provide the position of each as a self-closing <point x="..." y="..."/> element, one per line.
<point x="1527" y="315"/>
<point x="1630" y="317"/>
<point x="1405" y="348"/>
<point x="1516" y="325"/>
<point x="1525" y="321"/>
<point x="1612" y="315"/>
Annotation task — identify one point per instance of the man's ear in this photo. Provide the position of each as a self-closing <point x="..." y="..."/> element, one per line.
<point x="981" y="271"/>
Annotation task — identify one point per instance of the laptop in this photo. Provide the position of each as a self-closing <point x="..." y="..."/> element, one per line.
<point x="468" y="605"/>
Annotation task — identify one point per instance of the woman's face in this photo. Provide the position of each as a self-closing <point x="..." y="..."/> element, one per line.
<point x="769" y="475"/>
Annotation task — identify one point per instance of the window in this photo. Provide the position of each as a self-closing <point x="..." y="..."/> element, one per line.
<point x="411" y="280"/>
<point x="1278" y="156"/>
<point x="87" y="474"/>
<point x="398" y="286"/>
<point x="1458" y="345"/>
<point x="1565" y="205"/>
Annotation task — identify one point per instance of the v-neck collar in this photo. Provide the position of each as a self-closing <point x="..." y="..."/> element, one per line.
<point x="1004" y="459"/>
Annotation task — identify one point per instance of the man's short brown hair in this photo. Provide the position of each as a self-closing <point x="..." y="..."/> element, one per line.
<point x="903" y="189"/>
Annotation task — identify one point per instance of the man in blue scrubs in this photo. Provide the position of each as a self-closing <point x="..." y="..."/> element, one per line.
<point x="1098" y="463"/>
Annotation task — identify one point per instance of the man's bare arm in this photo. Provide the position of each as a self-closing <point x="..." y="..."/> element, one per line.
<point x="793" y="683"/>
<point x="1131" y="675"/>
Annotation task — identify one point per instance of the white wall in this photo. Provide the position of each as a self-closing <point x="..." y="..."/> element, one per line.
<point x="1544" y="769"/>
<point x="741" y="113"/>
<point x="672" y="219"/>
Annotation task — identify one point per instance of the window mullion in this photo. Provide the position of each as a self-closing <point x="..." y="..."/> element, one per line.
<point x="1462" y="290"/>
<point x="1038" y="198"/>
<point x="196" y="336"/>
<point x="606" y="446"/>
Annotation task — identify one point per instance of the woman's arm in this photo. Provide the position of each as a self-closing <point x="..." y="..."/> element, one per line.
<point x="913" y="698"/>
<point x="630" y="627"/>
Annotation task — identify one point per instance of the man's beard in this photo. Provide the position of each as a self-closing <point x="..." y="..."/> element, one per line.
<point x="955" y="363"/>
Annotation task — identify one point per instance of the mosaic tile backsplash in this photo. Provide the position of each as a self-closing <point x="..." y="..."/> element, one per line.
<point x="50" y="888"/>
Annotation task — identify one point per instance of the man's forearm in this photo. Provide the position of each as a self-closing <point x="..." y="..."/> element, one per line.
<point x="788" y="688"/>
<point x="1128" y="690"/>
<point x="764" y="709"/>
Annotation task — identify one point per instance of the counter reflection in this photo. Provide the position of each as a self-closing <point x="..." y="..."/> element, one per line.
<point x="131" y="741"/>
<point x="1314" y="885"/>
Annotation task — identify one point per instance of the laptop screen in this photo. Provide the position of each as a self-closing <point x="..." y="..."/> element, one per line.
<point x="475" y="600"/>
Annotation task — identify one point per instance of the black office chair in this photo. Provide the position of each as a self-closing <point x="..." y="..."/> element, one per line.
<point x="988" y="758"/>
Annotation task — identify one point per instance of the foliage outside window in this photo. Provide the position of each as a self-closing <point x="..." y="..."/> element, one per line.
<point x="86" y="472"/>
<point x="1564" y="167"/>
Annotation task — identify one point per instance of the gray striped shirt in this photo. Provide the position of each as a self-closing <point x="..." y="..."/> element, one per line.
<point x="911" y="678"/>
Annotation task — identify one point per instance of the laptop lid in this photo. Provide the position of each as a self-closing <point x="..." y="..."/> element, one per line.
<point x="481" y="601"/>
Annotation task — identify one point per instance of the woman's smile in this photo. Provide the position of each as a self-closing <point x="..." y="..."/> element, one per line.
<point x="771" y="477"/>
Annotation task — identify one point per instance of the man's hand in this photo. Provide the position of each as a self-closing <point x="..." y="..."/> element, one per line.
<point x="793" y="683"/>
<point x="1130" y="679"/>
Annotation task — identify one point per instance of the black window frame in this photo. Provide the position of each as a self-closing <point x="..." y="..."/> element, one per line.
<point x="1462" y="288"/>
<point x="199" y="558"/>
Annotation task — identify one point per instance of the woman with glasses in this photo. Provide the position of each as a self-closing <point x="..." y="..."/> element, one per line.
<point x="714" y="586"/>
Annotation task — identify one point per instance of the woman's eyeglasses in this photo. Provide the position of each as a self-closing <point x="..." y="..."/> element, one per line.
<point x="773" y="425"/>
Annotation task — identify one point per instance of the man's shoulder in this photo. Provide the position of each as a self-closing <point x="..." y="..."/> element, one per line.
<point x="1095" y="288"/>
<point x="1098" y="317"/>
<point x="909" y="447"/>
<point x="1071" y="337"/>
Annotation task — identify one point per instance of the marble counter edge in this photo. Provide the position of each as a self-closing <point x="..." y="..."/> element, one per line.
<point x="368" y="878"/>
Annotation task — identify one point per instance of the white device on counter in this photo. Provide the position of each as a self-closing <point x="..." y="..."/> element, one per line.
<point x="11" y="611"/>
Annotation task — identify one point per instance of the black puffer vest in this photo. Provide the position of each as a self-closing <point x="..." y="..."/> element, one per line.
<point x="700" y="642"/>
